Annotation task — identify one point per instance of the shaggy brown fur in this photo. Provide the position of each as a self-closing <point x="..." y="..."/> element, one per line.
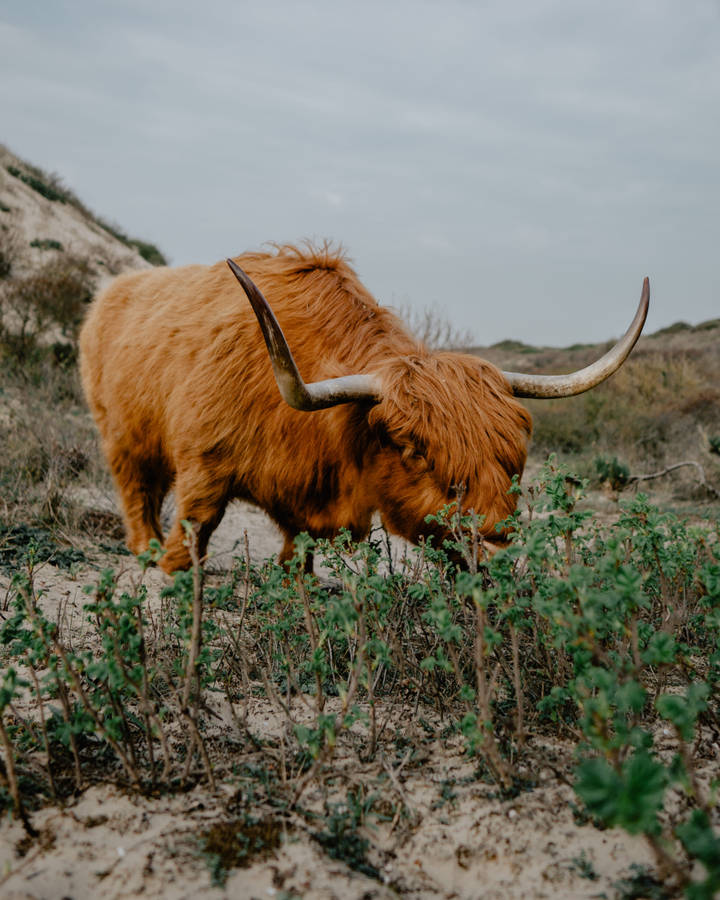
<point x="179" y="381"/>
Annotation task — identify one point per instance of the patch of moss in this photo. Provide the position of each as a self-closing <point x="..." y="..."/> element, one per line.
<point x="342" y="842"/>
<point x="237" y="844"/>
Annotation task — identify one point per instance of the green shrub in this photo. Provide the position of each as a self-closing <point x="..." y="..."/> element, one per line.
<point x="55" y="296"/>
<point x="46" y="244"/>
<point x="50" y="189"/>
<point x="611" y="471"/>
<point x="149" y="252"/>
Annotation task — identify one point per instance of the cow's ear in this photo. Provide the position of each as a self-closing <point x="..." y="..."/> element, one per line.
<point x="412" y="452"/>
<point x="396" y="432"/>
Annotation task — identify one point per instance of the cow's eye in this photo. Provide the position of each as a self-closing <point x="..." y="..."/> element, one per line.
<point x="411" y="454"/>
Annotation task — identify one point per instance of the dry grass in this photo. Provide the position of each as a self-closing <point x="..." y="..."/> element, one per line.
<point x="663" y="406"/>
<point x="49" y="447"/>
<point x="10" y="250"/>
<point x="652" y="407"/>
<point x="430" y="326"/>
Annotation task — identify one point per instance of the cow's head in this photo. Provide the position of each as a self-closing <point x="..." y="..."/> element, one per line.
<point x="447" y="426"/>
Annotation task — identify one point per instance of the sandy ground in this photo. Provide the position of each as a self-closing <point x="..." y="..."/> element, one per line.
<point x="456" y="839"/>
<point x="108" y="845"/>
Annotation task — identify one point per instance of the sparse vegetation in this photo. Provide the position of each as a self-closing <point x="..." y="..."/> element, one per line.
<point x="654" y="413"/>
<point x="648" y="405"/>
<point x="148" y="252"/>
<point x="18" y="542"/>
<point x="47" y="186"/>
<point x="609" y="637"/>
<point x="49" y="449"/>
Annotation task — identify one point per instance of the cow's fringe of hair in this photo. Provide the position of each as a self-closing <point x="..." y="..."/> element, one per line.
<point x="460" y="420"/>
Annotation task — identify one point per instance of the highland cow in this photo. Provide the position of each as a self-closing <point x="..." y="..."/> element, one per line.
<point x="185" y="394"/>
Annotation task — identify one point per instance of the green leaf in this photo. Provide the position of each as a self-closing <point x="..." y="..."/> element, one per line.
<point x="683" y="711"/>
<point x="700" y="842"/>
<point x="661" y="649"/>
<point x="630" y="798"/>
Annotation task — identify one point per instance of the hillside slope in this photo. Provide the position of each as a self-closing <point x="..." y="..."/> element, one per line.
<point x="40" y="219"/>
<point x="700" y="342"/>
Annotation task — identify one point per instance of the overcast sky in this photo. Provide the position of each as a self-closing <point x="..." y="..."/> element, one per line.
<point x="521" y="165"/>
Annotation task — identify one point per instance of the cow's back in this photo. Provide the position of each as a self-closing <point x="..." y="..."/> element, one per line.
<point x="141" y="336"/>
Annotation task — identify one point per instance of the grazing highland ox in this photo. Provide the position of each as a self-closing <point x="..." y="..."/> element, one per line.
<point x="181" y="386"/>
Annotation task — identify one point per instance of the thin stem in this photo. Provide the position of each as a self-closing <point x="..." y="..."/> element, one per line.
<point x="12" y="781"/>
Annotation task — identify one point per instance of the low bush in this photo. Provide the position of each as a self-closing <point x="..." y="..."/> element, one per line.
<point x="10" y="250"/>
<point x="47" y="186"/>
<point x="652" y="413"/>
<point x="609" y="470"/>
<point x="46" y="244"/>
<point x="52" y="298"/>
<point x="148" y="251"/>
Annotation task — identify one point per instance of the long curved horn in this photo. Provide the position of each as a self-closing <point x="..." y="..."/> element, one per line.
<point x="545" y="386"/>
<point x="305" y="397"/>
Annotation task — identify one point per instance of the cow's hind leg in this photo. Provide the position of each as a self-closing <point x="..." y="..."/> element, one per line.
<point x="142" y="486"/>
<point x="200" y="498"/>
